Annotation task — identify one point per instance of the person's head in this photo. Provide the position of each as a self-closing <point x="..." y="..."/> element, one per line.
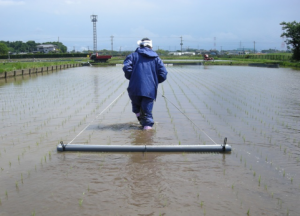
<point x="145" y="42"/>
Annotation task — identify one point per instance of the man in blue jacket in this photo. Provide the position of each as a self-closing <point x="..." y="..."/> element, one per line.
<point x="144" y="70"/>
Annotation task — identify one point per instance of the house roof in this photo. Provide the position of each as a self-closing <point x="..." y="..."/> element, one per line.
<point x="46" y="45"/>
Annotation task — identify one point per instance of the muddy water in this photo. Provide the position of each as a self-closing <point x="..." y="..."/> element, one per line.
<point x="257" y="109"/>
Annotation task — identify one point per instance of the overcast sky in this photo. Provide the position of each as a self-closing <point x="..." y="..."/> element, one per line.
<point x="209" y="24"/>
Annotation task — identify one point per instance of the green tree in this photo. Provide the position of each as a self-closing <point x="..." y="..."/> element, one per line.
<point x="162" y="52"/>
<point x="292" y="34"/>
<point x="3" y="49"/>
<point x="31" y="45"/>
<point x="24" y="48"/>
<point x="17" y="45"/>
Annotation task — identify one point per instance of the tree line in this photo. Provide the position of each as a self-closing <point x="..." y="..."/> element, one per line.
<point x="28" y="47"/>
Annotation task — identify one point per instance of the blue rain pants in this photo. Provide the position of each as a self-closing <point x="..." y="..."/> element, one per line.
<point x="144" y="106"/>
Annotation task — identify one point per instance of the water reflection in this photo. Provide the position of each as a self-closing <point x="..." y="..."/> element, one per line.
<point x="96" y="88"/>
<point x="145" y="180"/>
<point x="142" y="137"/>
<point x="116" y="127"/>
<point x="136" y="135"/>
<point x="258" y="108"/>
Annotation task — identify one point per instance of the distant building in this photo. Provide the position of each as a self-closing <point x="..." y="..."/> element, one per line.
<point x="235" y="52"/>
<point x="46" y="48"/>
<point x="209" y="52"/>
<point x="175" y="53"/>
<point x="246" y="49"/>
<point x="181" y="53"/>
<point x="188" y="53"/>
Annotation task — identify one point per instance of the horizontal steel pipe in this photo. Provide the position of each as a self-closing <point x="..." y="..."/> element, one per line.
<point x="188" y="148"/>
<point x="143" y="148"/>
<point x="100" y="148"/>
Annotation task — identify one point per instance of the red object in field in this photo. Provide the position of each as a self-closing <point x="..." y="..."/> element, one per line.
<point x="207" y="58"/>
<point x="99" y="58"/>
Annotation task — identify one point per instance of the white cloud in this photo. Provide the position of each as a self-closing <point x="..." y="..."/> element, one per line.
<point x="38" y="31"/>
<point x="83" y="48"/>
<point x="11" y="3"/>
<point x="142" y="32"/>
<point x="226" y="36"/>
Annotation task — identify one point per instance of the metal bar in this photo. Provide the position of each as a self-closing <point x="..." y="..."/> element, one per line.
<point x="144" y="148"/>
<point x="189" y="148"/>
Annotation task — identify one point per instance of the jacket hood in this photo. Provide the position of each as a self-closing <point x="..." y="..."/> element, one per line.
<point x="147" y="52"/>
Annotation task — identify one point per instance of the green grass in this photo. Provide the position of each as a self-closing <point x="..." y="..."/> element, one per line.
<point x="15" y="65"/>
<point x="283" y="54"/>
<point x="232" y="60"/>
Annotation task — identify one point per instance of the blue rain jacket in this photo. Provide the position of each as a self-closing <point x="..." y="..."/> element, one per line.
<point x="144" y="70"/>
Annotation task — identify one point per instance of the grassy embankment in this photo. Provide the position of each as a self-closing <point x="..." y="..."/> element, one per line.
<point x="229" y="60"/>
<point x="19" y="65"/>
<point x="179" y="59"/>
<point x="283" y="59"/>
<point x="277" y="58"/>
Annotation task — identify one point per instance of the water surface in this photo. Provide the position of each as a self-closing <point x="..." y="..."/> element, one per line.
<point x="257" y="109"/>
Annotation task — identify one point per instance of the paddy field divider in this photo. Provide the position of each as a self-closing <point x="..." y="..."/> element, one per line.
<point x="30" y="71"/>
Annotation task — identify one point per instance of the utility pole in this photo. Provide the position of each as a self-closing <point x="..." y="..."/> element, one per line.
<point x="254" y="47"/>
<point x="282" y="44"/>
<point x="112" y="43"/>
<point x="215" y="43"/>
<point x="181" y="44"/>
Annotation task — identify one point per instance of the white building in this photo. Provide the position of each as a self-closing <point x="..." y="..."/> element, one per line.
<point x="188" y="53"/>
<point x="46" y="48"/>
<point x="181" y="53"/>
<point x="175" y="53"/>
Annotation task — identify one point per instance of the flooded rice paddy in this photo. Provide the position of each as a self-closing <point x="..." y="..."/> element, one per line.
<point x="257" y="109"/>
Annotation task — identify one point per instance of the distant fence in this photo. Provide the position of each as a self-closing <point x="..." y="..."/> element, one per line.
<point x="41" y="55"/>
<point x="270" y="57"/>
<point x="36" y="70"/>
<point x="55" y="55"/>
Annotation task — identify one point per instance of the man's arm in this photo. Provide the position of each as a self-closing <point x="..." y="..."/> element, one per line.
<point x="127" y="68"/>
<point x="161" y="71"/>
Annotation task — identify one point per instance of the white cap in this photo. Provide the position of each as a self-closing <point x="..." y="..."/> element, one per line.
<point x="145" y="42"/>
